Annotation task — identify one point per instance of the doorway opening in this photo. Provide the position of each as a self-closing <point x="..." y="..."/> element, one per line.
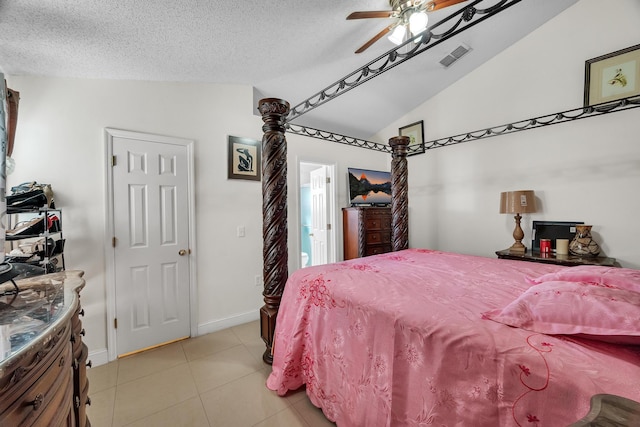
<point x="317" y="217"/>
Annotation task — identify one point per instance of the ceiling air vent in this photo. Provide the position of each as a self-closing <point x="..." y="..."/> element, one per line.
<point x="455" y="54"/>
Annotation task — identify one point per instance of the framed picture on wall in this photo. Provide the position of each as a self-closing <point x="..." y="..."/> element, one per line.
<point x="244" y="158"/>
<point x="415" y="131"/>
<point x="612" y="76"/>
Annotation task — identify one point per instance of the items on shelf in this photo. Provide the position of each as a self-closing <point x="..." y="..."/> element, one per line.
<point x="30" y="195"/>
<point x="37" y="240"/>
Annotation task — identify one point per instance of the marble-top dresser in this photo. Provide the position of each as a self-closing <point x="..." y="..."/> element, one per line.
<point x="43" y="378"/>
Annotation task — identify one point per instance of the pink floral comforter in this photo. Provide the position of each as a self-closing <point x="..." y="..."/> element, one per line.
<point x="399" y="340"/>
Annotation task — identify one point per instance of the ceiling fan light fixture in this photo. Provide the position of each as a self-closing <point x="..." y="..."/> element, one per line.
<point x="418" y="22"/>
<point x="397" y="36"/>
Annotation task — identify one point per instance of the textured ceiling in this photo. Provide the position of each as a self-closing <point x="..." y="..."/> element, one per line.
<point x="288" y="49"/>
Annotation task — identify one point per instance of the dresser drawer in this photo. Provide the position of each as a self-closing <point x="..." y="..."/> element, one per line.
<point x="378" y="237"/>
<point x="377" y="224"/>
<point x="43" y="404"/>
<point x="377" y="250"/>
<point x="58" y="412"/>
<point x="24" y="373"/>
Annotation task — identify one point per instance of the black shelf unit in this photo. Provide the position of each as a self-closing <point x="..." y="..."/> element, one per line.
<point x="51" y="254"/>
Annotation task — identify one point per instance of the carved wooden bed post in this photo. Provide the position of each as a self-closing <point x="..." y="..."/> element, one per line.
<point x="274" y="215"/>
<point x="399" y="193"/>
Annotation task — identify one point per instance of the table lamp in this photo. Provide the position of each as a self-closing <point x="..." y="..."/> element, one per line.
<point x="517" y="202"/>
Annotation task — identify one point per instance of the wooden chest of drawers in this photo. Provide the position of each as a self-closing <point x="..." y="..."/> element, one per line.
<point x="366" y="231"/>
<point x="43" y="376"/>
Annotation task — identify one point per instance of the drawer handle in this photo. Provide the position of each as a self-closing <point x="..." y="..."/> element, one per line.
<point x="73" y="338"/>
<point x="37" y="401"/>
<point x="82" y="332"/>
<point x="88" y="401"/>
<point x="89" y="364"/>
<point x="61" y="362"/>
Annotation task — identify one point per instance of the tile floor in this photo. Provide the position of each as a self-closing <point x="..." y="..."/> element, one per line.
<point x="213" y="380"/>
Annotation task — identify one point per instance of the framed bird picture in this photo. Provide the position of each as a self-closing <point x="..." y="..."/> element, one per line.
<point x="244" y="158"/>
<point x="612" y="76"/>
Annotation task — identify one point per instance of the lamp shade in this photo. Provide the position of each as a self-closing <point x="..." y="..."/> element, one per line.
<point x="397" y="36"/>
<point x="418" y="22"/>
<point x="517" y="202"/>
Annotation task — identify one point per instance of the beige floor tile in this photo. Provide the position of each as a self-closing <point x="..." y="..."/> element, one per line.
<point x="312" y="414"/>
<point x="103" y="377"/>
<point x="145" y="396"/>
<point x="150" y="362"/>
<point x="243" y="402"/>
<point x="257" y="349"/>
<point x="223" y="367"/>
<point x="287" y="417"/>
<point x="249" y="333"/>
<point x="160" y="387"/>
<point x="100" y="412"/>
<point x="206" y="345"/>
<point x="189" y="413"/>
<point x="295" y="396"/>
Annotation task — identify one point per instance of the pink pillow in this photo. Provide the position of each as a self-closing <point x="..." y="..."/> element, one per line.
<point x="621" y="278"/>
<point x="575" y="308"/>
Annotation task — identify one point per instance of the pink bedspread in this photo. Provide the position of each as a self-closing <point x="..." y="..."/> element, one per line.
<point x="398" y="340"/>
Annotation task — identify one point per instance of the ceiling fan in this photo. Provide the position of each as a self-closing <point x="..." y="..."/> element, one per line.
<point x="408" y="13"/>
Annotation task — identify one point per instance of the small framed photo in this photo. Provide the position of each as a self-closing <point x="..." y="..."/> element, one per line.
<point x="415" y="131"/>
<point x="244" y="158"/>
<point x="612" y="76"/>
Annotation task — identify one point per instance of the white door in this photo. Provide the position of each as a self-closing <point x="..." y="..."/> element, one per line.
<point x="151" y="254"/>
<point x="320" y="214"/>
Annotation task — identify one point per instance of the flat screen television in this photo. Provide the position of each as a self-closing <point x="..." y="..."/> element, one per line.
<point x="369" y="187"/>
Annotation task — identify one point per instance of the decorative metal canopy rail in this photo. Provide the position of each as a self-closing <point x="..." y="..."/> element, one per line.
<point x="453" y="24"/>
<point x="546" y="120"/>
<point x="335" y="137"/>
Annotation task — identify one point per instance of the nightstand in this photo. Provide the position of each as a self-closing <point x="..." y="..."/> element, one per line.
<point x="568" y="260"/>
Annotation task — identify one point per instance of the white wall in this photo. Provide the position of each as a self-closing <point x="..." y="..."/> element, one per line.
<point x="60" y="140"/>
<point x="587" y="170"/>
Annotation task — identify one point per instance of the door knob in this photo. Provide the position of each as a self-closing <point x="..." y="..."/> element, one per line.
<point x="183" y="252"/>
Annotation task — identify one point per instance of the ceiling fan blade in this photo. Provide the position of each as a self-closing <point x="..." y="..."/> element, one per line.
<point x="440" y="4"/>
<point x="374" y="39"/>
<point x="371" y="14"/>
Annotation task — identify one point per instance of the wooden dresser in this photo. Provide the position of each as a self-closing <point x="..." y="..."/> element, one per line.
<point x="43" y="378"/>
<point x="366" y="231"/>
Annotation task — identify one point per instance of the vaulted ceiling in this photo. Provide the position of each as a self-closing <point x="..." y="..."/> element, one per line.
<point x="288" y="49"/>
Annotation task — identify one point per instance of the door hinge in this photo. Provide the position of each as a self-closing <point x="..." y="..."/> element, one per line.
<point x="328" y="226"/>
<point x="328" y="180"/>
<point x="115" y="323"/>
<point x="113" y="242"/>
<point x="114" y="161"/>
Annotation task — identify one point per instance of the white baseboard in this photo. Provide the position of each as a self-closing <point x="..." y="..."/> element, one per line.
<point x="101" y="356"/>
<point x="218" y="325"/>
<point x="98" y="357"/>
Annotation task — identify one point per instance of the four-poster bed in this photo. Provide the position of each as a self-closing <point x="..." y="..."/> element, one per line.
<point x="418" y="337"/>
<point x="422" y="337"/>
